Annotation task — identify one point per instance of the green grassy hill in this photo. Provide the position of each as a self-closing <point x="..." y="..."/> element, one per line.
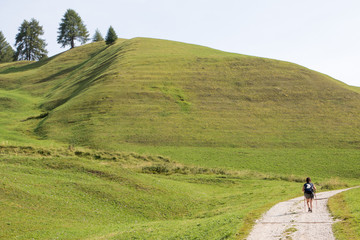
<point x="157" y="92"/>
<point x="219" y="137"/>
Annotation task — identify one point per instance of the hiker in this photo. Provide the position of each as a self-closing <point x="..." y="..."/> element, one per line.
<point x="309" y="189"/>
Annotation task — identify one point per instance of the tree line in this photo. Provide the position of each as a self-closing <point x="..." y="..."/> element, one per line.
<point x="30" y="46"/>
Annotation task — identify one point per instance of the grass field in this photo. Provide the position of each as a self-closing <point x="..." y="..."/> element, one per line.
<point x="346" y="208"/>
<point x="85" y="194"/>
<point x="155" y="139"/>
<point x="71" y="195"/>
<point x="322" y="163"/>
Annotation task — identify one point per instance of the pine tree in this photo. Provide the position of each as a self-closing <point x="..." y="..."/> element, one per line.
<point x="28" y="42"/>
<point x="6" y="51"/>
<point x="97" y="36"/>
<point x="111" y="36"/>
<point x="72" y="28"/>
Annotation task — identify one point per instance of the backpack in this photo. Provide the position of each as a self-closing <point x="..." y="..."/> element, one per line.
<point x="309" y="188"/>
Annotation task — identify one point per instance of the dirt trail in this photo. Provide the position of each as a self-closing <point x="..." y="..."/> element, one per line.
<point x="288" y="220"/>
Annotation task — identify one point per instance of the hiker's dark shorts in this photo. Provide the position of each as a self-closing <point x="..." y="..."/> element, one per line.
<point x="308" y="195"/>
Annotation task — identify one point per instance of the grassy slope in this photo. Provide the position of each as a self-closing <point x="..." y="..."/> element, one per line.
<point x="167" y="93"/>
<point x="59" y="194"/>
<point x="156" y="92"/>
<point x="198" y="106"/>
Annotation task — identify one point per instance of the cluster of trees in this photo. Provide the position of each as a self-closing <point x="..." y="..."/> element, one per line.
<point x="30" y="46"/>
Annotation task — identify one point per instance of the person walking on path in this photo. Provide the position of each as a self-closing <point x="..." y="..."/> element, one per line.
<point x="309" y="189"/>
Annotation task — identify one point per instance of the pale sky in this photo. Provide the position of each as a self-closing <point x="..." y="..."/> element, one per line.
<point x="323" y="35"/>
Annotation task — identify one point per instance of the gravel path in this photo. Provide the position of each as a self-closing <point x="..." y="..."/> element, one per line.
<point x="288" y="220"/>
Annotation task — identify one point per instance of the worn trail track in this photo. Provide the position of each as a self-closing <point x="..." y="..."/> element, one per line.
<point x="289" y="220"/>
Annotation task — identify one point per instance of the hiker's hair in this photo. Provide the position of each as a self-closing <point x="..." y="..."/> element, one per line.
<point x="308" y="179"/>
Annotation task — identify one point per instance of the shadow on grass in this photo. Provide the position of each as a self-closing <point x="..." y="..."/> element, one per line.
<point x="81" y="85"/>
<point x="58" y="74"/>
<point x="28" y="67"/>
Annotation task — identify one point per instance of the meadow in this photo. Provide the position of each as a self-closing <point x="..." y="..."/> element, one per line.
<point x="65" y="194"/>
<point x="322" y="163"/>
<point x="155" y="139"/>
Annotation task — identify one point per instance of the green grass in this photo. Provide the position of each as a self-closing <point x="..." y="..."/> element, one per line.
<point x="54" y="194"/>
<point x="15" y="107"/>
<point x="156" y="92"/>
<point x="187" y="142"/>
<point x="346" y="208"/>
<point x="18" y="113"/>
<point x="321" y="163"/>
<point x="86" y="194"/>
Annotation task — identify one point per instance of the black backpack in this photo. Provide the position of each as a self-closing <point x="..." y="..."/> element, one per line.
<point x="309" y="188"/>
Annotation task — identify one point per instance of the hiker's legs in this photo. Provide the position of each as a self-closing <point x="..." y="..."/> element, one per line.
<point x="307" y="202"/>
<point x="311" y="203"/>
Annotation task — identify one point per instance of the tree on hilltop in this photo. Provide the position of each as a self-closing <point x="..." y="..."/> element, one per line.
<point x="29" y="45"/>
<point x="6" y="51"/>
<point x="97" y="36"/>
<point x="72" y="28"/>
<point x="111" y="36"/>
